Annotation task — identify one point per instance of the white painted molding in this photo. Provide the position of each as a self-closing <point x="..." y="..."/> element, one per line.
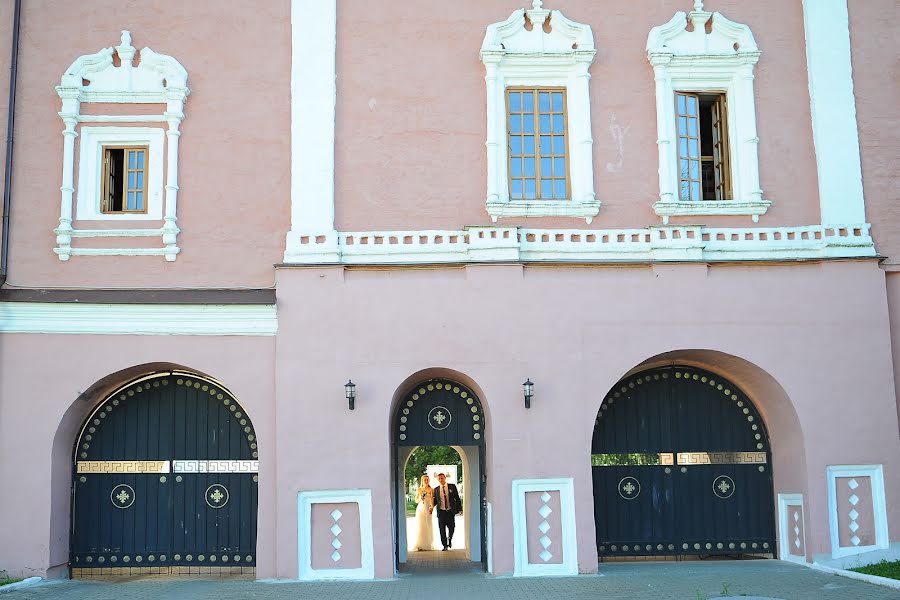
<point x="514" y="56"/>
<point x="566" y="488"/>
<point x="784" y="527"/>
<point x="158" y="79"/>
<point x="833" y="109"/>
<point x="490" y="538"/>
<point x="90" y="161"/>
<point x="305" y="500"/>
<point x="876" y="475"/>
<point x="313" y="97"/>
<point x="667" y="242"/>
<point x="694" y="61"/>
<point x="138" y="319"/>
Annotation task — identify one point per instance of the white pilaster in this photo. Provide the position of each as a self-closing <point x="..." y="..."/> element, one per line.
<point x="833" y="111"/>
<point x="313" y="94"/>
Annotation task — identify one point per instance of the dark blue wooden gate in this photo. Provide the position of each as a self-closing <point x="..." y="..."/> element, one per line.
<point x="681" y="465"/>
<point x="166" y="480"/>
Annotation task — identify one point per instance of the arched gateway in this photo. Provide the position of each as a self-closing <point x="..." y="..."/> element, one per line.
<point x="681" y="465"/>
<point x="442" y="412"/>
<point x="165" y="478"/>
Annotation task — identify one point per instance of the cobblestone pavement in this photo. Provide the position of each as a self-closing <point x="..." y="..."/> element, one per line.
<point x="458" y="581"/>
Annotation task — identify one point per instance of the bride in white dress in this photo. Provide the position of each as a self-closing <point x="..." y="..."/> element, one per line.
<point x="424" y="518"/>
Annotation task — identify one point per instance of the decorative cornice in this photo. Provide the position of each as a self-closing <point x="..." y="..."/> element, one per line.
<point x="538" y="32"/>
<point x="725" y="39"/>
<point x="138" y="319"/>
<point x="663" y="243"/>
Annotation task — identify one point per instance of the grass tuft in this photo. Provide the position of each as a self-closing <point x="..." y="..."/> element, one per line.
<point x="889" y="569"/>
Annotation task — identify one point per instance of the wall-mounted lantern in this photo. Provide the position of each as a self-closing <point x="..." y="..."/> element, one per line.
<point x="350" y="393"/>
<point x="529" y="392"/>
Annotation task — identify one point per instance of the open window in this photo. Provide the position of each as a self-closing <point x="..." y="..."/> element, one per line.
<point x="706" y="116"/>
<point x="124" y="180"/>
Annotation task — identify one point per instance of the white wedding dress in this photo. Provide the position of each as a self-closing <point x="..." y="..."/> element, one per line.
<point x="424" y="521"/>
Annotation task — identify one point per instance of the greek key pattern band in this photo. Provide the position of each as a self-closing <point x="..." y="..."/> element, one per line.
<point x="721" y="458"/>
<point x="167" y="466"/>
<point x="122" y="466"/>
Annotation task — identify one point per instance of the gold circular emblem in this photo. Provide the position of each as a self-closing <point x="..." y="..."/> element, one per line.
<point x="122" y="496"/>
<point x="216" y="495"/>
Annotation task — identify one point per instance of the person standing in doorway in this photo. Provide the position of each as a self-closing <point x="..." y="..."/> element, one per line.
<point x="448" y="505"/>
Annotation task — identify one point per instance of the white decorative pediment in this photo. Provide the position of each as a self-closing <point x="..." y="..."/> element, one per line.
<point x="95" y="78"/>
<point x="687" y="35"/>
<point x="538" y="32"/>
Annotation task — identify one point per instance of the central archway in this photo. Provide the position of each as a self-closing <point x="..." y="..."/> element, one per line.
<point x="442" y="412"/>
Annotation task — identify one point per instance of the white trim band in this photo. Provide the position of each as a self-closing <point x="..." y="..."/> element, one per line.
<point x="668" y="242"/>
<point x="138" y="319"/>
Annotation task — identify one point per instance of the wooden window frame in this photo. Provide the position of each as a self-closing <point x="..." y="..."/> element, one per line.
<point x="721" y="156"/>
<point x="535" y="90"/>
<point x="104" y="178"/>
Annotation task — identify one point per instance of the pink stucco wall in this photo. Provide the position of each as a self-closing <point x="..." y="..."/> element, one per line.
<point x="40" y="415"/>
<point x="501" y="324"/>
<point x="234" y="150"/>
<point x="874" y="46"/>
<point x="411" y="113"/>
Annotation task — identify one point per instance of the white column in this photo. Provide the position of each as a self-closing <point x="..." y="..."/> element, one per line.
<point x="63" y="232"/>
<point x="494" y="95"/>
<point x="583" y="187"/>
<point x="833" y="110"/>
<point x="665" y="120"/>
<point x="173" y="115"/>
<point x="312" y="237"/>
<point x="745" y="127"/>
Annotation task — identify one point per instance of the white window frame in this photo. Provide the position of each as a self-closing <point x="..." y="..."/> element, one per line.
<point x="721" y="62"/>
<point x="90" y="169"/>
<point x="516" y="57"/>
<point x="363" y="499"/>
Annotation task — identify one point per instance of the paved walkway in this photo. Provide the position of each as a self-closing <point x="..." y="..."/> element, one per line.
<point x="619" y="581"/>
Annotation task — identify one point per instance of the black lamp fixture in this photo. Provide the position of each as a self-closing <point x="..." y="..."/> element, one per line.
<point x="350" y="392"/>
<point x="529" y="392"/>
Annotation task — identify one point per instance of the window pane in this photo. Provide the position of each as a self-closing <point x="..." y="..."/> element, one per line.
<point x="559" y="167"/>
<point x="529" y="144"/>
<point x="515" y="102"/>
<point x="695" y="169"/>
<point x="559" y="146"/>
<point x="515" y="167"/>
<point x="140" y="158"/>
<point x="529" y="189"/>
<point x="546" y="188"/>
<point x="131" y="159"/>
<point x="559" y="124"/>
<point x="695" y="148"/>
<point x="130" y="203"/>
<point x="139" y="205"/>
<point x="560" y="191"/>
<point x="682" y="125"/>
<point x="528" y="123"/>
<point x="681" y="105"/>
<point x="683" y="169"/>
<point x="695" y="191"/>
<point x="692" y="127"/>
<point x="682" y="147"/>
<point x="545" y="144"/>
<point x="544" y="101"/>
<point x="140" y="180"/>
<point x="516" y="189"/>
<point x="515" y="145"/>
<point x="546" y="167"/>
<point x="692" y="105"/>
<point x="529" y="167"/>
<point x="545" y="123"/>
<point x="131" y="180"/>
<point x="515" y="124"/>
<point x="528" y="102"/>
<point x="557" y="102"/>
<point x="685" y="191"/>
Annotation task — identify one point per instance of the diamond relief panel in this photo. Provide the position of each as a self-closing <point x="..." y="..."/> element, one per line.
<point x="855" y="511"/>
<point x="335" y="536"/>
<point x="544" y="527"/>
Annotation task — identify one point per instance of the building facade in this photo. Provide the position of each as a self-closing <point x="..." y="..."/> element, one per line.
<point x="676" y="221"/>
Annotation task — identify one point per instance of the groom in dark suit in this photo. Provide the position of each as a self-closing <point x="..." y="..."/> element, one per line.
<point x="448" y="505"/>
